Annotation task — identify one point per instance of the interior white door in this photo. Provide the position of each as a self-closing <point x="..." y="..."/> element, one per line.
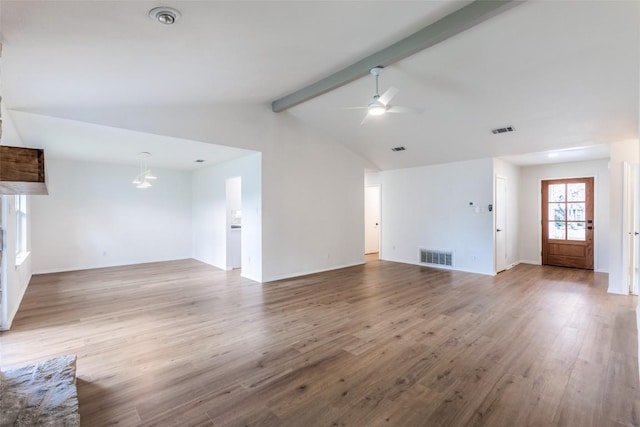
<point x="629" y="220"/>
<point x="501" y="224"/>
<point x="636" y="232"/>
<point x="371" y="220"/>
<point x="634" y="229"/>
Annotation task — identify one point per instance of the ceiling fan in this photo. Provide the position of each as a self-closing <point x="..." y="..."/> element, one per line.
<point x="380" y="104"/>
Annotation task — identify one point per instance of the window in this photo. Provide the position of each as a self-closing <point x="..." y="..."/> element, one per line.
<point x="21" y="224"/>
<point x="567" y="204"/>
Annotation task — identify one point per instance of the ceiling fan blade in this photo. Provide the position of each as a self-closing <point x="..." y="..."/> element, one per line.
<point x="405" y="110"/>
<point x="388" y="95"/>
<point x="354" y="108"/>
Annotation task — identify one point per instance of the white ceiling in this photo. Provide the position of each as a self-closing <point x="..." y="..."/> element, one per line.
<point x="105" y="53"/>
<point x="69" y="139"/>
<point x="564" y="155"/>
<point x="563" y="73"/>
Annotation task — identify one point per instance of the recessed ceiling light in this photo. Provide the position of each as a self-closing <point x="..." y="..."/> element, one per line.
<point x="164" y="15"/>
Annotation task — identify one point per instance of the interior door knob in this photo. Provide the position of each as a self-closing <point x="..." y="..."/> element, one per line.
<point x="636" y="233"/>
<point x="498" y="229"/>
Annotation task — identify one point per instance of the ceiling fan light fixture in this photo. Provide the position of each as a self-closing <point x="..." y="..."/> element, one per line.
<point x="376" y="107"/>
<point x="377" y="110"/>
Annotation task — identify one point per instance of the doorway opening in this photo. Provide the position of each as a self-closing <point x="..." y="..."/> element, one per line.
<point x="234" y="222"/>
<point x="567" y="223"/>
<point x="372" y="220"/>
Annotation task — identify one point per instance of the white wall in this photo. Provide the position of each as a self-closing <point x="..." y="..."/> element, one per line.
<point x="313" y="203"/>
<point x="371" y="179"/>
<point x="95" y="217"/>
<point x="624" y="151"/>
<point x="428" y="207"/>
<point x="16" y="277"/>
<point x="312" y="198"/>
<point x="531" y="213"/>
<point x="511" y="173"/>
<point x="210" y="216"/>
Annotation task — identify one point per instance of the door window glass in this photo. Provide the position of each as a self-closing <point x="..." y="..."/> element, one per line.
<point x="556" y="230"/>
<point x="567" y="211"/>
<point x="576" y="192"/>
<point x="557" y="192"/>
<point x="575" y="231"/>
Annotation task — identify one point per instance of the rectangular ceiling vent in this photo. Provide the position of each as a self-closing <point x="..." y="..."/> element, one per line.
<point x="429" y="256"/>
<point x="503" y="130"/>
<point x="398" y="149"/>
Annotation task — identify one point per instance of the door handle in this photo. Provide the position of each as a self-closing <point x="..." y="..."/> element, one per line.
<point x="636" y="233"/>
<point x="498" y="229"/>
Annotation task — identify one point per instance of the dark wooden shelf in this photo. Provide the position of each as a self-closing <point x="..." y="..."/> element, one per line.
<point x="22" y="171"/>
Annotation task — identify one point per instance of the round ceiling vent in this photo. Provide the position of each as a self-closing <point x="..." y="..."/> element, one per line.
<point x="164" y="15"/>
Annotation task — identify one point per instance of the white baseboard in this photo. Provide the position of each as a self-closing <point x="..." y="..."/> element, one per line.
<point x="247" y="276"/>
<point x="93" y="267"/>
<point x="306" y="273"/>
<point x="440" y="267"/>
<point x="10" y="316"/>
<point x="617" y="292"/>
<point x="513" y="264"/>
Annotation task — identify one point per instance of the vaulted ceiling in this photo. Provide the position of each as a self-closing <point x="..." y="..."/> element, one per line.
<point x="565" y="74"/>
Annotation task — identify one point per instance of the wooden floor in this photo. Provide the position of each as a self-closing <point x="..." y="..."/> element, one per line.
<point x="182" y="343"/>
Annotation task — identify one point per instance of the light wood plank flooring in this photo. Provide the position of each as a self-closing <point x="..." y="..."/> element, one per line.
<point x="182" y="343"/>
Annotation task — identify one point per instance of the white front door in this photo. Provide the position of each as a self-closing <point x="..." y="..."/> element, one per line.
<point x="501" y="224"/>
<point x="371" y="220"/>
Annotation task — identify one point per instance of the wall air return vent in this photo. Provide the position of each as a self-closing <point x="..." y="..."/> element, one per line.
<point x="503" y="130"/>
<point x="398" y="149"/>
<point x="428" y="256"/>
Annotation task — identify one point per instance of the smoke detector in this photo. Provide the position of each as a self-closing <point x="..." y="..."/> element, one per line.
<point x="164" y="15"/>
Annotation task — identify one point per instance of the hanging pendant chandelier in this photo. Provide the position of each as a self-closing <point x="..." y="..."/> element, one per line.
<point x="145" y="176"/>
